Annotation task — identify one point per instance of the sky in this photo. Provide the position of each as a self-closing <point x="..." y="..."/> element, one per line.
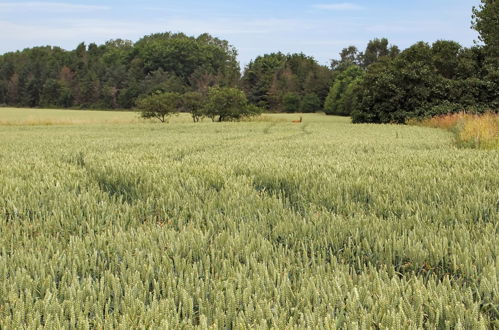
<point x="319" y="28"/>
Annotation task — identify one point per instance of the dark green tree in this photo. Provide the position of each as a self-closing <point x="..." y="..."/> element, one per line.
<point x="310" y="103"/>
<point x="258" y="77"/>
<point x="291" y="102"/>
<point x="269" y="78"/>
<point x="486" y="22"/>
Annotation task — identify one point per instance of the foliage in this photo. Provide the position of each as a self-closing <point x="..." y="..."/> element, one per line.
<point x="340" y="98"/>
<point x="160" y="106"/>
<point x="485" y="21"/>
<point x="117" y="73"/>
<point x="258" y="77"/>
<point x="184" y="56"/>
<point x="349" y="56"/>
<point x="376" y="50"/>
<point x="269" y="78"/>
<point x="425" y="79"/>
<point x="310" y="103"/>
<point x="228" y="104"/>
<point x="226" y="226"/>
<point x="291" y="102"/>
<point x="194" y="103"/>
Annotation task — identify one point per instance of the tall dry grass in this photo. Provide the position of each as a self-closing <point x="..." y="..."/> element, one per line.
<point x="470" y="130"/>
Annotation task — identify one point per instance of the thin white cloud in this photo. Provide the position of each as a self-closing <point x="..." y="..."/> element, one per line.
<point x="235" y="26"/>
<point x="339" y="6"/>
<point x="52" y="7"/>
<point x="57" y="31"/>
<point x="61" y="31"/>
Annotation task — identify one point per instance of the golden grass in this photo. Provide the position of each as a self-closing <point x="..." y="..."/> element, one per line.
<point x="470" y="130"/>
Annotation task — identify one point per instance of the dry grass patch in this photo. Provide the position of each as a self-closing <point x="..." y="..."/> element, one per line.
<point x="470" y="130"/>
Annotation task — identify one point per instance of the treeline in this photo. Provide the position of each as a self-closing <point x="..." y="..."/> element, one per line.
<point x="380" y="84"/>
<point x="423" y="80"/>
<point x="116" y="74"/>
<point x="383" y="85"/>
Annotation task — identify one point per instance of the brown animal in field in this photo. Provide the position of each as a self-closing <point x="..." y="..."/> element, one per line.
<point x="297" y="121"/>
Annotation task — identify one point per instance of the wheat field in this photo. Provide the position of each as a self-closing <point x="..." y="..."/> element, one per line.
<point x="111" y="222"/>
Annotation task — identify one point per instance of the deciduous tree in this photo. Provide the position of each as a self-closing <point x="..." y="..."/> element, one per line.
<point x="160" y="106"/>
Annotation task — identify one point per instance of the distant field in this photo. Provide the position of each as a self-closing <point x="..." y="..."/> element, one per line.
<point x="263" y="224"/>
<point x="20" y="116"/>
<point x="48" y="117"/>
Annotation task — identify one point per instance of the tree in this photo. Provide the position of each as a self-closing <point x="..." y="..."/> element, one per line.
<point x="486" y="22"/>
<point x="228" y="104"/>
<point x="375" y="50"/>
<point x="3" y="92"/>
<point x="426" y="80"/>
<point x="160" y="106"/>
<point x="310" y="103"/>
<point x="446" y="57"/>
<point x="291" y="102"/>
<point x="193" y="103"/>
<point x="394" y="90"/>
<point x="348" y="57"/>
<point x="184" y="55"/>
<point x="258" y="78"/>
<point x="117" y="73"/>
<point x="350" y="96"/>
<point x="336" y="100"/>
<point x="269" y="78"/>
<point x="51" y="93"/>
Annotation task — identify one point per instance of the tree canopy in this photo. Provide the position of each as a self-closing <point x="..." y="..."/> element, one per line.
<point x="270" y="80"/>
<point x="117" y="73"/>
<point x="486" y="22"/>
<point x="227" y="104"/>
<point x="160" y="105"/>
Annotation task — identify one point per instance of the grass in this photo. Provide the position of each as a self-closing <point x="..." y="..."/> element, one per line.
<point x="263" y="224"/>
<point x="470" y="130"/>
<point x="49" y="117"/>
<point x="58" y="117"/>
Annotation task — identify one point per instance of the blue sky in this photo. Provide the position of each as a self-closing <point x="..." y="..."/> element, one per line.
<point x="320" y="28"/>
